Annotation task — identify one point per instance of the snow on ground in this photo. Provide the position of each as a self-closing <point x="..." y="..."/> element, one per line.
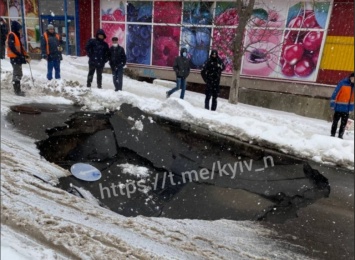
<point x="60" y="225"/>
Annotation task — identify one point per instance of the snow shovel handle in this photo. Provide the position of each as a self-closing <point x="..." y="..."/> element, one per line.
<point x="33" y="82"/>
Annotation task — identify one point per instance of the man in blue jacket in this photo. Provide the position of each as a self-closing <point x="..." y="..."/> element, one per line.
<point x="51" y="47"/>
<point x="342" y="102"/>
<point x="98" y="52"/>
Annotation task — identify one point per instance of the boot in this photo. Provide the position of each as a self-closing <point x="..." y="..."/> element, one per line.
<point x="17" y="88"/>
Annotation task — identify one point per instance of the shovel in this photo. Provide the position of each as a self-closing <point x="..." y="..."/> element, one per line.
<point x="33" y="82"/>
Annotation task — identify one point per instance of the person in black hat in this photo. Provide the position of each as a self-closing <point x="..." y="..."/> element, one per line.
<point x="3" y="35"/>
<point x="211" y="74"/>
<point x="51" y="47"/>
<point x="98" y="52"/>
<point x="342" y="102"/>
<point x="117" y="61"/>
<point x="17" y="55"/>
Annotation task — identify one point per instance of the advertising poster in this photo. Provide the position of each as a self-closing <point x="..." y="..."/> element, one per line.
<point x="113" y="11"/>
<point x="140" y="11"/>
<point x="197" y="38"/>
<point x="15" y="10"/>
<point x="165" y="45"/>
<point x="263" y="40"/>
<point x="166" y="38"/>
<point x="32" y="26"/>
<point x="114" y="30"/>
<point x="288" y="47"/>
<point x="225" y="16"/>
<point x="167" y="12"/>
<point x="138" y="44"/>
<point x="113" y="20"/>
<point x="302" y="40"/>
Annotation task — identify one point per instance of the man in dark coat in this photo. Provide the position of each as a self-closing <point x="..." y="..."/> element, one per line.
<point x="117" y="62"/>
<point x="182" y="70"/>
<point x="51" y="47"/>
<point x="342" y="102"/>
<point x="211" y="74"/>
<point x="3" y="35"/>
<point x="17" y="55"/>
<point x="98" y="52"/>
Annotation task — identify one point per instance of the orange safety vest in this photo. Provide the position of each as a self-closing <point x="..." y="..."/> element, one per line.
<point x="45" y="35"/>
<point x="10" y="53"/>
<point x="345" y="95"/>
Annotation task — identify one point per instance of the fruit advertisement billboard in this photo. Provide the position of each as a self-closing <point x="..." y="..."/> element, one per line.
<point x="290" y="44"/>
<point x="283" y="40"/>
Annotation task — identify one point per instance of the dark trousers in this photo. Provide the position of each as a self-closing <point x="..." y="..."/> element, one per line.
<point x="17" y="72"/>
<point x="211" y="91"/>
<point x="344" y="116"/>
<point x="98" y="76"/>
<point x="53" y="64"/>
<point x="2" y="50"/>
<point x="117" y="79"/>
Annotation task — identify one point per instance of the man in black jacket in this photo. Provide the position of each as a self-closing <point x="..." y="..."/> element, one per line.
<point x="182" y="69"/>
<point x="51" y="47"/>
<point x="17" y="55"/>
<point x="98" y="52"/>
<point x="117" y="62"/>
<point x="3" y="35"/>
<point x="211" y="74"/>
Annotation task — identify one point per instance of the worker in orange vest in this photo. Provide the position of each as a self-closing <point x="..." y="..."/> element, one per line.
<point x="51" y="46"/>
<point x="17" y="55"/>
<point x="342" y="102"/>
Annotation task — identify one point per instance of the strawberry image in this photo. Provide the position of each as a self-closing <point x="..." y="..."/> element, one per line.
<point x="110" y="15"/>
<point x="118" y="15"/>
<point x="115" y="30"/>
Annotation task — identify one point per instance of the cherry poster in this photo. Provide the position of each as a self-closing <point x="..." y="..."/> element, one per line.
<point x="288" y="43"/>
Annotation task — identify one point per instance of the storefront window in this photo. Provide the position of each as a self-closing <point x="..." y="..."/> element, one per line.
<point x="283" y="39"/>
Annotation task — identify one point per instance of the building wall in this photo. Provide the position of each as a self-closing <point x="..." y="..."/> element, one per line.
<point x="88" y="26"/>
<point x="338" y="55"/>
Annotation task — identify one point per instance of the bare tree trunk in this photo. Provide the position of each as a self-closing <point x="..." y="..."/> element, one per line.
<point x="234" y="88"/>
<point x="245" y="10"/>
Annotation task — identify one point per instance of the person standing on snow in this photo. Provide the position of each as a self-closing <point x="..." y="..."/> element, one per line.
<point x="182" y="69"/>
<point x="211" y="74"/>
<point x="342" y="102"/>
<point x="17" y="55"/>
<point x="51" y="47"/>
<point x="98" y="52"/>
<point x="3" y="35"/>
<point x="117" y="61"/>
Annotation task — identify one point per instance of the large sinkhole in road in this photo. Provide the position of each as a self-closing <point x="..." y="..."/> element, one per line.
<point x="153" y="166"/>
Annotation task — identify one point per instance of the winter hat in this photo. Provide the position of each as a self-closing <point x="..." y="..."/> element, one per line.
<point x="182" y="51"/>
<point x="102" y="32"/>
<point x="50" y="26"/>
<point x="214" y="52"/>
<point x="15" y="26"/>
